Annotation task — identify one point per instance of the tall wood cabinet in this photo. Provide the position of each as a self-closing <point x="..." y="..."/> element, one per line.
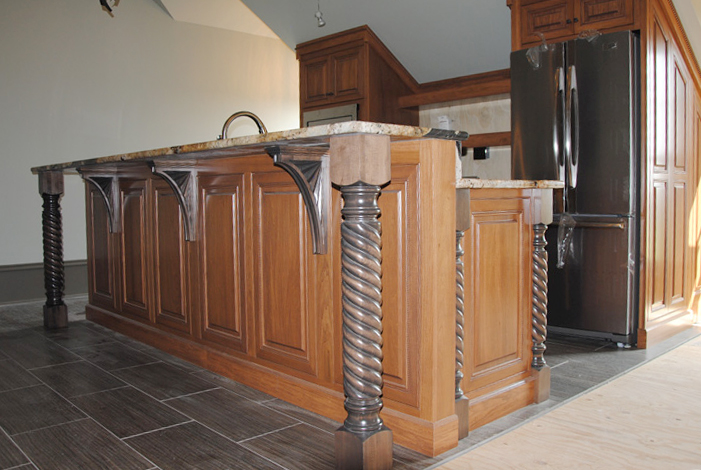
<point x="669" y="259"/>
<point x="354" y="68"/>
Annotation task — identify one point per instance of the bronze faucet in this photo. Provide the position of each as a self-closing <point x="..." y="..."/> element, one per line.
<point x="256" y="119"/>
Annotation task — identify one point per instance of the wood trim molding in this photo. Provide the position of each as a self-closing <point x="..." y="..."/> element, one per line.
<point x="469" y="86"/>
<point x="682" y="40"/>
<point x="492" y="139"/>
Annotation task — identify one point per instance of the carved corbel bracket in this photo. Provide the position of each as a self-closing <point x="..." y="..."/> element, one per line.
<point x="107" y="186"/>
<point x="183" y="181"/>
<point x="309" y="168"/>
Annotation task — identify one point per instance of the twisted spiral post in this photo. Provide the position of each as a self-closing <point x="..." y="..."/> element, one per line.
<point x="53" y="250"/>
<point x="539" y="303"/>
<point x="459" y="312"/>
<point x="361" y="274"/>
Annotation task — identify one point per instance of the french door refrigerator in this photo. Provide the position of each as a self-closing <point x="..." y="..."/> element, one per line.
<point x="575" y="117"/>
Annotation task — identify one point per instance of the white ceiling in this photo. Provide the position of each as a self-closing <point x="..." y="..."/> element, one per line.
<point x="434" y="40"/>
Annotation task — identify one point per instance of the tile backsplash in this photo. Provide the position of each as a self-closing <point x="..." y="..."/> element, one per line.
<point x="476" y="116"/>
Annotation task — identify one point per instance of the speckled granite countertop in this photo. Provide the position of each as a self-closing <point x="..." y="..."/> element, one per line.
<point x="476" y="183"/>
<point x="247" y="145"/>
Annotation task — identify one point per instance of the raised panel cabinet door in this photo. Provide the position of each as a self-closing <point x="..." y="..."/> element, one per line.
<point x="657" y="237"/>
<point x="347" y="73"/>
<point x="696" y="204"/>
<point x="101" y="282"/>
<point x="400" y="301"/>
<point x="222" y="261"/>
<point x="170" y="260"/>
<point x="599" y="14"/>
<point x="134" y="250"/>
<point x="316" y="80"/>
<point x="497" y="291"/>
<point x="552" y="19"/>
<point x="284" y="274"/>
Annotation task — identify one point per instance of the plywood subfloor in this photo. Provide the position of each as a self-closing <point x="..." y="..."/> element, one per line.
<point x="649" y="418"/>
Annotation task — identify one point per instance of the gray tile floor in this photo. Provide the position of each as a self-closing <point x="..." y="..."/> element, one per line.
<point x="88" y="398"/>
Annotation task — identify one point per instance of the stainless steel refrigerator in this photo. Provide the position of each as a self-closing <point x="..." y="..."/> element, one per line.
<point x="575" y="117"/>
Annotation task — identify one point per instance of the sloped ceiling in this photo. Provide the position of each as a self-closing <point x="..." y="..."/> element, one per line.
<point x="435" y="39"/>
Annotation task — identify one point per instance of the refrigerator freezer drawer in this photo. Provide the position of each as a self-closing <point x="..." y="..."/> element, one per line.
<point x="596" y="288"/>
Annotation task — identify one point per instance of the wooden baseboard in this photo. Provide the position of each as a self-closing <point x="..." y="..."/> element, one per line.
<point x="426" y="437"/>
<point x="499" y="403"/>
<point x="673" y="325"/>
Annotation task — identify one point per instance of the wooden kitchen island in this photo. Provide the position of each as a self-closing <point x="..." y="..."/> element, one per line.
<point x="261" y="258"/>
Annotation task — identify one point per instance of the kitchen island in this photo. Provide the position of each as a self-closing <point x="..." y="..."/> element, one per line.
<point x="324" y="263"/>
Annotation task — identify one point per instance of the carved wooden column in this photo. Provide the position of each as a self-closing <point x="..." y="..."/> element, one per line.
<point x="51" y="190"/>
<point x="462" y="404"/>
<point x="360" y="164"/>
<point x="539" y="300"/>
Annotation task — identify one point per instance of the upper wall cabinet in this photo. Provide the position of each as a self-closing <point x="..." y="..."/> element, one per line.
<point x="354" y="68"/>
<point x="555" y="20"/>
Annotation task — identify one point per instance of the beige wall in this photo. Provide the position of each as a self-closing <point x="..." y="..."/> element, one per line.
<point x="75" y="84"/>
<point x="476" y="116"/>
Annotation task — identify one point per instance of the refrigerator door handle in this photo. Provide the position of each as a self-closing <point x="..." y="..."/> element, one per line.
<point x="572" y="138"/>
<point x="559" y="122"/>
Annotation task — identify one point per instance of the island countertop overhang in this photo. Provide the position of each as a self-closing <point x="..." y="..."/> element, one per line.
<point x="316" y="136"/>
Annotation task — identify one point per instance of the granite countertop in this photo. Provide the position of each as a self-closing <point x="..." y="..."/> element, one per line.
<point x="239" y="146"/>
<point x="476" y="183"/>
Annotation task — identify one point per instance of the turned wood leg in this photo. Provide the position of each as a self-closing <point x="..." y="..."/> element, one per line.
<point x="461" y="401"/>
<point x="539" y="313"/>
<point x="51" y="190"/>
<point x="363" y="442"/>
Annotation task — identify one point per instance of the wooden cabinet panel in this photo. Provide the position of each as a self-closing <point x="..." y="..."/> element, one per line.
<point x="497" y="246"/>
<point x="659" y="244"/>
<point x="101" y="281"/>
<point x="400" y="302"/>
<point x="316" y="84"/>
<point x="678" y="242"/>
<point x="595" y="14"/>
<point x="657" y="99"/>
<point x="678" y="100"/>
<point x="223" y="295"/>
<point x="552" y="19"/>
<point x="283" y="274"/>
<point x="170" y="260"/>
<point x="133" y="245"/>
<point x="347" y="79"/>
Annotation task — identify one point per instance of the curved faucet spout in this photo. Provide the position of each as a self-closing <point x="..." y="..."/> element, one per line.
<point x="256" y="119"/>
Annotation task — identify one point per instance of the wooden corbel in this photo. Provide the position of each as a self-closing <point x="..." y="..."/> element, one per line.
<point x="182" y="178"/>
<point x="107" y="186"/>
<point x="309" y="168"/>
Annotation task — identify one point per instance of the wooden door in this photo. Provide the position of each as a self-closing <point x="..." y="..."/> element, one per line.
<point x="102" y="286"/>
<point x="600" y="14"/>
<point x="348" y="67"/>
<point x="222" y="260"/>
<point x="170" y="260"/>
<point x="549" y="20"/>
<point x="134" y="261"/>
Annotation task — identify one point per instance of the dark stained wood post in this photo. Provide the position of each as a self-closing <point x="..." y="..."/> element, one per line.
<point x="462" y="223"/>
<point x="51" y="190"/>
<point x="360" y="165"/>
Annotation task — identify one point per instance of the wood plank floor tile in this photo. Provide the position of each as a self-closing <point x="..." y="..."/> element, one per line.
<point x="300" y="447"/>
<point x="81" y="445"/>
<point x="192" y="446"/>
<point x="35" y="407"/>
<point x="10" y="455"/>
<point x="77" y="378"/>
<point x="13" y="376"/>
<point x="127" y="412"/>
<point x="238" y="388"/>
<point x="306" y="416"/>
<point x="34" y="350"/>
<point x="232" y="415"/>
<point x="77" y="335"/>
<point x="162" y="380"/>
<point x="115" y="355"/>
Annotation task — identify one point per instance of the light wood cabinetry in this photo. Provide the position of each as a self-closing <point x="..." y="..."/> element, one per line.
<point x="536" y="20"/>
<point x="354" y="67"/>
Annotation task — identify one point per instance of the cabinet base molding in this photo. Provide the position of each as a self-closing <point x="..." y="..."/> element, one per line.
<point x="500" y="402"/>
<point x="426" y="437"/>
<point x="672" y="325"/>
